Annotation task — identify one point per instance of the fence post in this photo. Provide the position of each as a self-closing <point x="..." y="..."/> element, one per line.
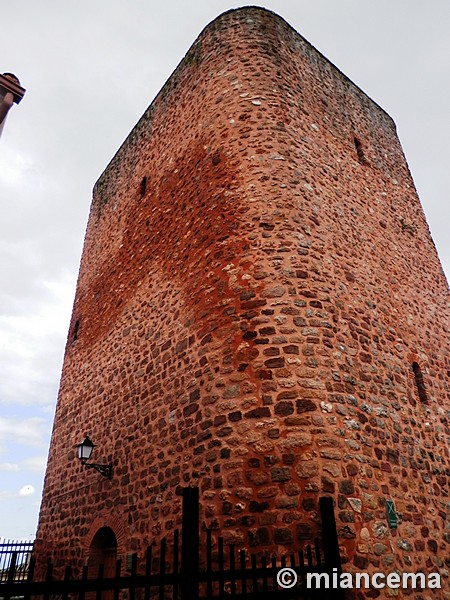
<point x="190" y="544"/>
<point x="330" y="543"/>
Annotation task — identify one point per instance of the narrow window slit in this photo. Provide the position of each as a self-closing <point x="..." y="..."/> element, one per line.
<point x="143" y="187"/>
<point x="360" y="152"/>
<point x="76" y="327"/>
<point x="421" y="389"/>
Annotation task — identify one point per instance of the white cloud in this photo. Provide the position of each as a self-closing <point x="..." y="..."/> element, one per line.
<point x="6" y="495"/>
<point x="6" y="466"/>
<point x="17" y="170"/>
<point x="27" y="432"/>
<point x="32" y="344"/>
<point x="27" y="490"/>
<point x="34" y="463"/>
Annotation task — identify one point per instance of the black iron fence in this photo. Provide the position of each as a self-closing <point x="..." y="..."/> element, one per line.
<point x="225" y="572"/>
<point x="17" y="553"/>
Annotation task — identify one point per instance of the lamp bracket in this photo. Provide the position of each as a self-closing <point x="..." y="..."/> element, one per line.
<point x="105" y="470"/>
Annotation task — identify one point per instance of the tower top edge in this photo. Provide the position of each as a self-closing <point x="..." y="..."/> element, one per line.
<point x="251" y="8"/>
<point x="243" y="14"/>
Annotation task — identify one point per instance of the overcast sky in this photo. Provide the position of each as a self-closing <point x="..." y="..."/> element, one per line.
<point x="91" y="68"/>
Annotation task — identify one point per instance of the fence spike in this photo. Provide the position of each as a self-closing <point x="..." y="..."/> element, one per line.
<point x="48" y="578"/>
<point x="67" y="575"/>
<point x="132" y="591"/>
<point x="209" y="585"/>
<point x="221" y="569"/>
<point x="12" y="568"/>
<point x="274" y="571"/>
<point x="265" y="585"/>
<point x="118" y="572"/>
<point x="176" y="566"/>
<point x="232" y="560"/>
<point x="317" y="552"/>
<point x="244" y="572"/>
<point x="84" y="576"/>
<point x="254" y="577"/>
<point x="162" y="568"/>
<point x="101" y="570"/>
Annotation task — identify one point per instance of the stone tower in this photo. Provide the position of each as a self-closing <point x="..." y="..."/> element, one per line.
<point x="261" y="312"/>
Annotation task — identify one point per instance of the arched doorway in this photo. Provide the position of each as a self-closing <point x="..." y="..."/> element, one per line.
<point x="103" y="551"/>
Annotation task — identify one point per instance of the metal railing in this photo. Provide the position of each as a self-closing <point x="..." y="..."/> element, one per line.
<point x="18" y="553"/>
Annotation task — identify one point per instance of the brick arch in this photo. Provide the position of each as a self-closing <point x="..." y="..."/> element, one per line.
<point x="413" y="357"/>
<point x="114" y="522"/>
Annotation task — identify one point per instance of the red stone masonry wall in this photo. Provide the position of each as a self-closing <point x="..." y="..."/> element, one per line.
<point x="249" y="315"/>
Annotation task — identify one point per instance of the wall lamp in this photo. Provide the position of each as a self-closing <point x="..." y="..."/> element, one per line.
<point x="84" y="451"/>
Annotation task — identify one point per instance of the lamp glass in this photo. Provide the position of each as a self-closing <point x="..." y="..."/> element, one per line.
<point x="85" y="449"/>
